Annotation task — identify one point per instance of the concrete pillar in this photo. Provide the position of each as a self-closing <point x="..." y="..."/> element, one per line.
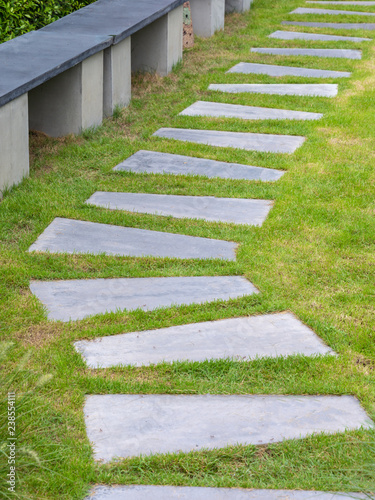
<point x="158" y="47"/>
<point x="14" y="142"/>
<point x="208" y="16"/>
<point x="71" y="101"/>
<point x="237" y="5"/>
<point x="117" y="77"/>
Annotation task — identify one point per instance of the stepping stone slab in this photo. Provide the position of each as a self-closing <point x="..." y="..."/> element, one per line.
<point x="75" y="236"/>
<point x="128" y="425"/>
<point x="195" y="493"/>
<point x="274" y="70"/>
<point x="234" y="210"/>
<point x="357" y="2"/>
<point x="294" y="35"/>
<point x="322" y="90"/>
<point x="220" y="110"/>
<point x="152" y="162"/>
<point x="335" y="53"/>
<point x="78" y="299"/>
<point x="337" y="26"/>
<point x="241" y="339"/>
<point x="332" y="12"/>
<point x="251" y="142"/>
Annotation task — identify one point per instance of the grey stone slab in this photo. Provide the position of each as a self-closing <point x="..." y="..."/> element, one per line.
<point x="75" y="236"/>
<point x="294" y="35"/>
<point x="141" y="492"/>
<point x="251" y="142"/>
<point x="220" y="110"/>
<point x="31" y="59"/>
<point x="235" y="210"/>
<point x="275" y="70"/>
<point x="241" y="339"/>
<point x="127" y="425"/>
<point x="335" y="26"/>
<point x="346" y="2"/>
<point x="334" y="53"/>
<point x="307" y="89"/>
<point x="78" y="299"/>
<point x="331" y="12"/>
<point x="152" y="162"/>
<point x="118" y="18"/>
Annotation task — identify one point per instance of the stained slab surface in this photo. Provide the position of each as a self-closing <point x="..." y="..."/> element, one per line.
<point x="74" y="236"/>
<point x="252" y="142"/>
<point x="141" y="492"/>
<point x="153" y="162"/>
<point x="334" y="53"/>
<point x="295" y="35"/>
<point x="332" y="12"/>
<point x="274" y="70"/>
<point x="220" y="110"/>
<point x="245" y="338"/>
<point x="308" y="89"/>
<point x="127" y="425"/>
<point x="235" y="210"/>
<point x="337" y="26"/>
<point x="78" y="299"/>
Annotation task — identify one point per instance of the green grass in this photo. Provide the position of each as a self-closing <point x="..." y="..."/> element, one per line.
<point x="313" y="256"/>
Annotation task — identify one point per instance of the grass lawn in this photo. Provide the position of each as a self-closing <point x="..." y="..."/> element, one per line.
<point x="314" y="256"/>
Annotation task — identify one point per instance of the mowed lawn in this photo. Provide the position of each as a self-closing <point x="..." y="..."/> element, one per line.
<point x="314" y="256"/>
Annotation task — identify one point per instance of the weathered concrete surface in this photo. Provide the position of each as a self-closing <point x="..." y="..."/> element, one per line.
<point x="14" y="143"/>
<point x="117" y="77"/>
<point x="74" y="236"/>
<point x="334" y="53"/>
<point x="338" y="26"/>
<point x="308" y="89"/>
<point x="219" y="110"/>
<point x="252" y="142"/>
<point x="241" y="339"/>
<point x="153" y="162"/>
<point x="195" y="493"/>
<point x="331" y="12"/>
<point x="237" y="5"/>
<point x="127" y="425"/>
<point x="235" y="210"/>
<point x="274" y="70"/>
<point x="78" y="299"/>
<point x="294" y="35"/>
<point x="70" y="102"/>
<point x="208" y="16"/>
<point x="158" y="46"/>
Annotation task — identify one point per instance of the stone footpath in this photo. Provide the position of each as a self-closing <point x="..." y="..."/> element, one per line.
<point x="128" y="425"/>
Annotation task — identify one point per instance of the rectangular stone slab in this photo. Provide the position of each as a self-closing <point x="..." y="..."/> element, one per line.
<point x="31" y="59"/>
<point x="74" y="236"/>
<point x="334" y="53"/>
<point x="117" y="18"/>
<point x="220" y="110"/>
<point x="142" y="492"/>
<point x="335" y="26"/>
<point x="274" y="70"/>
<point x="251" y="142"/>
<point x="78" y="299"/>
<point x="308" y="89"/>
<point x="294" y="35"/>
<point x="240" y="339"/>
<point x="331" y="12"/>
<point x="153" y="162"/>
<point x="233" y="210"/>
<point x="128" y="425"/>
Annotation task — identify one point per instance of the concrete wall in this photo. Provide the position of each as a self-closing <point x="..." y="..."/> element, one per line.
<point x="237" y="5"/>
<point x="208" y="16"/>
<point x="70" y="102"/>
<point x="117" y="77"/>
<point x="14" y="142"/>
